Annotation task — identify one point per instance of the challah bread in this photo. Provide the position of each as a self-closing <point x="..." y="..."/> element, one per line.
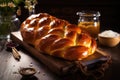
<point x="57" y="37"/>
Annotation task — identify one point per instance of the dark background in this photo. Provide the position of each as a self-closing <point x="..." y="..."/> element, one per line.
<point x="66" y="9"/>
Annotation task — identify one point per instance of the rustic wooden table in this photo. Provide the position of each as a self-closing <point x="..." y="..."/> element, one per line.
<point x="9" y="67"/>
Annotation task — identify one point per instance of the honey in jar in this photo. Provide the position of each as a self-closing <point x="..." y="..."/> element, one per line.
<point x="90" y="22"/>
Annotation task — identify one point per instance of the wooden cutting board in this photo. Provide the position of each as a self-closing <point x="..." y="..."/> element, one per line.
<point x="61" y="66"/>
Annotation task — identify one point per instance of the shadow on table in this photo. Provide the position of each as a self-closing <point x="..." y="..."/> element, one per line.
<point x="29" y="78"/>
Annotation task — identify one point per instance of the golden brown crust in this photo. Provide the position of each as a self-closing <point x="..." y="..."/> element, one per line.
<point x="46" y="42"/>
<point x="76" y="53"/>
<point x="57" y="37"/>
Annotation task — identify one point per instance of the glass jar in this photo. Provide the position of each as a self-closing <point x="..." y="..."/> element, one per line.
<point x="89" y="21"/>
<point x="7" y="25"/>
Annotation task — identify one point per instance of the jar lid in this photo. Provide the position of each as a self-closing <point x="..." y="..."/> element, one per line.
<point x="88" y="13"/>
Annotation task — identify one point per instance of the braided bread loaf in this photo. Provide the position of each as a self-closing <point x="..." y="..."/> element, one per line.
<point x="57" y="37"/>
